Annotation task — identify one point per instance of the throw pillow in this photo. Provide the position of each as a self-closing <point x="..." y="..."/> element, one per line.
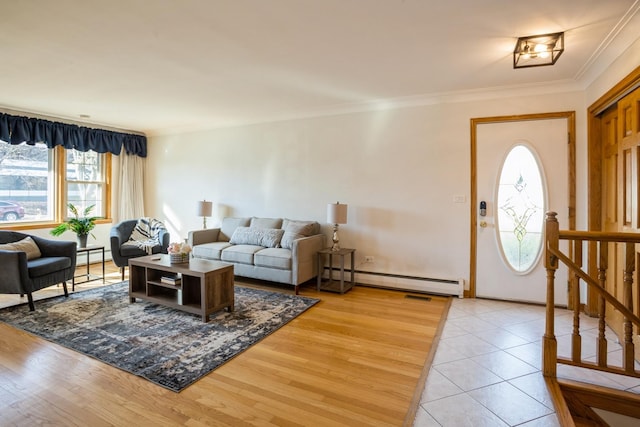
<point x="229" y="225"/>
<point x="296" y="230"/>
<point x="26" y="245"/>
<point x="267" y="237"/>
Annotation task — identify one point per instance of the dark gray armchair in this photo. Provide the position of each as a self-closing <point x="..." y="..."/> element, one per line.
<point x="56" y="265"/>
<point x="122" y="252"/>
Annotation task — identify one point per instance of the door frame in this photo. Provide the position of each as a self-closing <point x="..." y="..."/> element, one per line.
<point x="570" y="116"/>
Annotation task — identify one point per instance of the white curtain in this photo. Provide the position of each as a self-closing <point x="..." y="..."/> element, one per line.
<point x="128" y="197"/>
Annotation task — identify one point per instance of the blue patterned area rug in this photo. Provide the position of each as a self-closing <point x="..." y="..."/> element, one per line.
<point x="166" y="346"/>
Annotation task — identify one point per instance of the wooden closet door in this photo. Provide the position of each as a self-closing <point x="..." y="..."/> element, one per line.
<point x="628" y="134"/>
<point x="629" y="215"/>
<point x="611" y="208"/>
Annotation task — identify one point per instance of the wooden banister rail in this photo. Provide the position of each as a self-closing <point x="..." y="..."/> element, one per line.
<point x="553" y="255"/>
<point x="596" y="236"/>
<point x="602" y="292"/>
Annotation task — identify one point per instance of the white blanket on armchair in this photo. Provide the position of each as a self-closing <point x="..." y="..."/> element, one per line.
<point x="146" y="234"/>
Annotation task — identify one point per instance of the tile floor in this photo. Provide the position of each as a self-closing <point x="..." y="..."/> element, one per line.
<point x="486" y="370"/>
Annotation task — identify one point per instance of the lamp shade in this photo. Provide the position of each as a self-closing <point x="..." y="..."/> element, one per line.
<point x="336" y="213"/>
<point x="204" y="208"/>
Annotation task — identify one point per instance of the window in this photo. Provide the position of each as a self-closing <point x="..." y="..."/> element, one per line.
<point x="85" y="180"/>
<point x="27" y="185"/>
<point x="37" y="182"/>
<point x="521" y="202"/>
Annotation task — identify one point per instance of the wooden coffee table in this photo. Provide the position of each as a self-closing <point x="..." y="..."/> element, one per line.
<point x="206" y="286"/>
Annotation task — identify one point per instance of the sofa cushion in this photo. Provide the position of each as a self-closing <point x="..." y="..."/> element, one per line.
<point x="47" y="265"/>
<point x="273" y="258"/>
<point x="266" y="222"/>
<point x="210" y="250"/>
<point x="267" y="237"/>
<point x="131" y="249"/>
<point x="26" y="245"/>
<point x="240" y="253"/>
<point x="229" y="225"/>
<point x="296" y="229"/>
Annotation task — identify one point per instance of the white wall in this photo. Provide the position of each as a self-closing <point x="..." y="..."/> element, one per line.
<point x="622" y="66"/>
<point x="398" y="170"/>
<point x="617" y="71"/>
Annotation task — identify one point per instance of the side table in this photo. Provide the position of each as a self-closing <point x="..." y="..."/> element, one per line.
<point x="335" y="285"/>
<point x="88" y="276"/>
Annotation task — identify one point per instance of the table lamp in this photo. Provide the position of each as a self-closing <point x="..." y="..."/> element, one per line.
<point x="204" y="210"/>
<point x="336" y="214"/>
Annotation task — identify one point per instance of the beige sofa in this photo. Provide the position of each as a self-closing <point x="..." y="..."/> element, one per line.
<point x="273" y="249"/>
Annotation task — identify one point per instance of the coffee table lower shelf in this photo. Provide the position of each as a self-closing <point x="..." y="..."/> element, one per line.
<point x="205" y="287"/>
<point x="168" y="302"/>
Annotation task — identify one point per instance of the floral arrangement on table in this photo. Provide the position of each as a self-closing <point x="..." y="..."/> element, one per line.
<point x="179" y="252"/>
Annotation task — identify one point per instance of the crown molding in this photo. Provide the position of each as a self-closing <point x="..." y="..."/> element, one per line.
<point x="475" y="95"/>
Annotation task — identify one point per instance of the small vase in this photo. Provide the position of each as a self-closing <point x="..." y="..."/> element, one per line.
<point x="177" y="258"/>
<point x="82" y="240"/>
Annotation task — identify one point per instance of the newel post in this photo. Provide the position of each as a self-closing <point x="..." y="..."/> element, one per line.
<point x="549" y="343"/>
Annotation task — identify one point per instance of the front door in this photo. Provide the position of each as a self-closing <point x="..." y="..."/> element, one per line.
<point x="522" y="171"/>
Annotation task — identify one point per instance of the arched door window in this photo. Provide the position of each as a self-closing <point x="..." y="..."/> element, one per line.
<point x="520" y="208"/>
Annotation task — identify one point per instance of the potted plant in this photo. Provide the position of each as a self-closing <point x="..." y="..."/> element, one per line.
<point x="81" y="225"/>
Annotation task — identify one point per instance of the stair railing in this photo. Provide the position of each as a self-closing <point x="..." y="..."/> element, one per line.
<point x="553" y="255"/>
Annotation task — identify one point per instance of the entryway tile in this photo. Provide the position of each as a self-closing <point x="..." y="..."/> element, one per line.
<point x="509" y="403"/>
<point x="450" y="331"/>
<point x="501" y="338"/>
<point x="530" y="331"/>
<point x="438" y="386"/>
<point x="487" y="367"/>
<point x="530" y="353"/>
<point x="504" y="365"/>
<point x="447" y="353"/>
<point x="424" y="419"/>
<point x="535" y="386"/>
<point x="469" y="345"/>
<point x="471" y="324"/>
<point x="550" y="420"/>
<point x="467" y="374"/>
<point x="462" y="411"/>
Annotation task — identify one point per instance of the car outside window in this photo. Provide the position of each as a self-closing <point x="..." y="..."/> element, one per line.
<point x="27" y="190"/>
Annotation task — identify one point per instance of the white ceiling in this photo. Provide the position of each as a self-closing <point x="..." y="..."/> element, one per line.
<point x="159" y="66"/>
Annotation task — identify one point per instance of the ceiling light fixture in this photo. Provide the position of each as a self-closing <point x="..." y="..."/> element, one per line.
<point x="536" y="51"/>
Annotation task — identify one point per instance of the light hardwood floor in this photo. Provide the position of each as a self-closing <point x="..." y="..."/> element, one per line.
<point x="351" y="360"/>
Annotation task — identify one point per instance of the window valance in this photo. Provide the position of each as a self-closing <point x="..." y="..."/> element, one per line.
<point x="16" y="130"/>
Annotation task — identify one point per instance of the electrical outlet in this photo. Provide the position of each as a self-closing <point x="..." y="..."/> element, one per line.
<point x="459" y="198"/>
<point x="368" y="258"/>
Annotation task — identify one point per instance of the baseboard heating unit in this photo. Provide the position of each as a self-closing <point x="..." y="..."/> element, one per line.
<point x="411" y="283"/>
